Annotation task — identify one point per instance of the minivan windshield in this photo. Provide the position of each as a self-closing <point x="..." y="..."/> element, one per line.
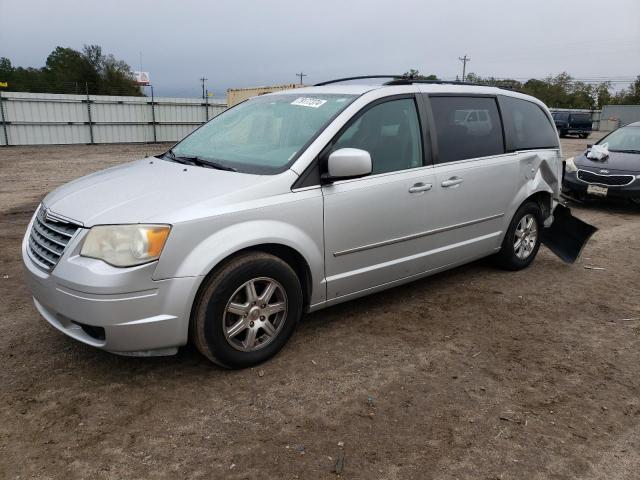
<point x="263" y="135"/>
<point x="625" y="139"/>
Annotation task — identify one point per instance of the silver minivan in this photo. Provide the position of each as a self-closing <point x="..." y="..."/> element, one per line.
<point x="291" y="202"/>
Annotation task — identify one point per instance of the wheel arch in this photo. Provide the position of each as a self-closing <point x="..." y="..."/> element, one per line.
<point x="542" y="198"/>
<point x="284" y="252"/>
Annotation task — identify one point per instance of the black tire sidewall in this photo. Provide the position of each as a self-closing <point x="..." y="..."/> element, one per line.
<point x="217" y="295"/>
<point x="508" y="256"/>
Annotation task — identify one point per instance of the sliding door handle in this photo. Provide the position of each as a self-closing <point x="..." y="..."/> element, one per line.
<point x="420" y="187"/>
<point x="452" y="182"/>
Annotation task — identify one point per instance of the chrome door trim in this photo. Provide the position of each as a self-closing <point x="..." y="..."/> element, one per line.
<point x="415" y="235"/>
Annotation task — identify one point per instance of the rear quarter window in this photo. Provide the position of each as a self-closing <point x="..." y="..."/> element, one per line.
<point x="526" y="125"/>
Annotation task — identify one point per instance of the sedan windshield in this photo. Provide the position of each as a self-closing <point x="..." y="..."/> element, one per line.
<point x="623" y="139"/>
<point x="263" y="135"/>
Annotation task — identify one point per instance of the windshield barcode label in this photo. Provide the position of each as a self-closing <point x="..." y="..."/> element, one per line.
<point x="309" y="102"/>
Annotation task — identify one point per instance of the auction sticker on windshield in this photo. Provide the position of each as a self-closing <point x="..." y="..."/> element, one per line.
<point x="309" y="102"/>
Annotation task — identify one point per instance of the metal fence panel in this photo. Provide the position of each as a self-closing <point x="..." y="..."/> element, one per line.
<point x="621" y="114"/>
<point x="47" y="134"/>
<point x="40" y="118"/>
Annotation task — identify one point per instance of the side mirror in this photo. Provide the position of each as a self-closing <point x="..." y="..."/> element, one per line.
<point x="348" y="163"/>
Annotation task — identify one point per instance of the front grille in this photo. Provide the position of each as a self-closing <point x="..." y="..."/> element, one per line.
<point x="48" y="240"/>
<point x="609" y="180"/>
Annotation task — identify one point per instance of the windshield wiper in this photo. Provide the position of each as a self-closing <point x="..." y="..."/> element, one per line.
<point x="198" y="161"/>
<point x="625" y="151"/>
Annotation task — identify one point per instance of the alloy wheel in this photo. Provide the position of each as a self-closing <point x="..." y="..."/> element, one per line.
<point x="255" y="314"/>
<point x="526" y="236"/>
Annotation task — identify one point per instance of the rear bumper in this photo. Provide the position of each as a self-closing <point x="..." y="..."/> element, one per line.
<point x="573" y="186"/>
<point x="120" y="310"/>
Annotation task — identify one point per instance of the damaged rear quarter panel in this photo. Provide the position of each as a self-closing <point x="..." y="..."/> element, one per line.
<point x="540" y="171"/>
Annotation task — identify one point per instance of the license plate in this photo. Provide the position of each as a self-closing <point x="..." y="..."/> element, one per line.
<point x="597" y="190"/>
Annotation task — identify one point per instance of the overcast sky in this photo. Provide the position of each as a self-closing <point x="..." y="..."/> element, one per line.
<point x="239" y="43"/>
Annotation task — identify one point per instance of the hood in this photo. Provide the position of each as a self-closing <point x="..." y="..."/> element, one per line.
<point x="616" y="162"/>
<point x="148" y="190"/>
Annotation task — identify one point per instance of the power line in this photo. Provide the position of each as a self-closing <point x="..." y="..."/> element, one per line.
<point x="464" y="61"/>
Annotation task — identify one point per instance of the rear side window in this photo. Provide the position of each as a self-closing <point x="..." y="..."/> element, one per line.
<point x="581" y="117"/>
<point x="466" y="127"/>
<point x="526" y="125"/>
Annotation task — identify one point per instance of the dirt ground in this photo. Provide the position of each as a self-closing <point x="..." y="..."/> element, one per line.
<point x="475" y="373"/>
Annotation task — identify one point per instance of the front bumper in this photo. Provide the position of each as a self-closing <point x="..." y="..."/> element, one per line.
<point x="573" y="186"/>
<point x="122" y="310"/>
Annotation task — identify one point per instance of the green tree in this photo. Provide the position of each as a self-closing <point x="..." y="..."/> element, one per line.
<point x="603" y="94"/>
<point x="415" y="74"/>
<point x="6" y="69"/>
<point x="628" y="96"/>
<point x="69" y="71"/>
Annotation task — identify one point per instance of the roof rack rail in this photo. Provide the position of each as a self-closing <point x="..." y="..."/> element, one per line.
<point x="409" y="81"/>
<point x="361" y="77"/>
<point x="403" y="80"/>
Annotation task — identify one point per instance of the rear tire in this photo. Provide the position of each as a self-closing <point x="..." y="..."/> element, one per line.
<point x="247" y="310"/>
<point x="522" y="240"/>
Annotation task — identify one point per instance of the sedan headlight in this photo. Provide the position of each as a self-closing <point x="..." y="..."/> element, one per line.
<point x="125" y="245"/>
<point x="570" y="165"/>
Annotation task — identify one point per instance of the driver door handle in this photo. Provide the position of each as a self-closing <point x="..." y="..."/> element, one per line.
<point x="452" y="182"/>
<point x="420" y="187"/>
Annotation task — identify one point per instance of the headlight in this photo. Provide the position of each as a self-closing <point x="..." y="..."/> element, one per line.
<point x="570" y="165"/>
<point x="125" y="245"/>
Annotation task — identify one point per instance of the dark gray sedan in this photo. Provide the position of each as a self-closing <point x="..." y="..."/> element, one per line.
<point x="616" y="176"/>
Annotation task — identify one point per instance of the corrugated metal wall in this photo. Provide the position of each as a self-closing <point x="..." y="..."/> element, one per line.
<point x="40" y="118"/>
<point x="621" y="114"/>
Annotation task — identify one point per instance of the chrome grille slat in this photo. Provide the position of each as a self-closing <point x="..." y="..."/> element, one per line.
<point x="48" y="240"/>
<point x="40" y="252"/>
<point x="35" y="260"/>
<point x="55" y="229"/>
<point x="42" y="242"/>
<point x="41" y="230"/>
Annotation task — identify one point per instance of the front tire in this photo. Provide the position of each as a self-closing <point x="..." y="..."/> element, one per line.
<point x="522" y="240"/>
<point x="247" y="310"/>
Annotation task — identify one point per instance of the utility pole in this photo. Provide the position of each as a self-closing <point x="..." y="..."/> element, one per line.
<point x="203" y="80"/>
<point x="301" y="75"/>
<point x="464" y="61"/>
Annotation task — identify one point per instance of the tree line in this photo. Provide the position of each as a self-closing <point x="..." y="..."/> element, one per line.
<point x="560" y="91"/>
<point x="70" y="71"/>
